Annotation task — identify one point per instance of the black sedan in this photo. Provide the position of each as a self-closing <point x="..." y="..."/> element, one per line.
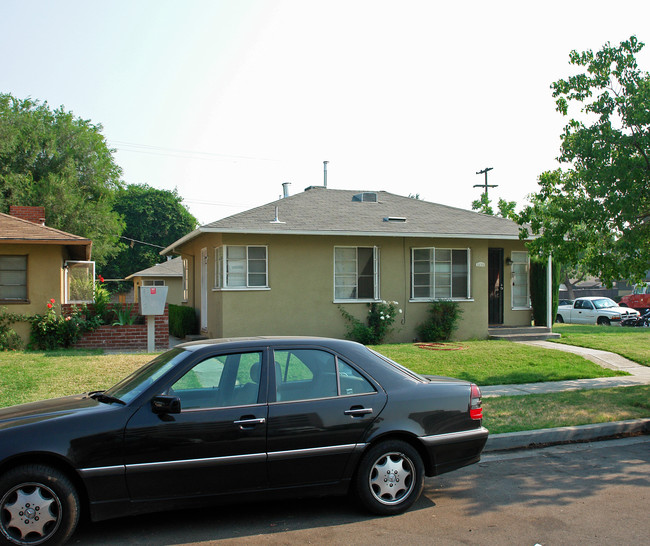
<point x="233" y="419"/>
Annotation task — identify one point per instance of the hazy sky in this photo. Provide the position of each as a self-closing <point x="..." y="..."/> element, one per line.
<point x="227" y="99"/>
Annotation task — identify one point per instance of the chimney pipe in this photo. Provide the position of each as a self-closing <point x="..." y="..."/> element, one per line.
<point x="325" y="173"/>
<point x="285" y="189"/>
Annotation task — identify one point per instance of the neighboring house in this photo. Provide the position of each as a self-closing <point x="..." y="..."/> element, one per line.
<point x="38" y="263"/>
<point x="169" y="273"/>
<point x="286" y="267"/>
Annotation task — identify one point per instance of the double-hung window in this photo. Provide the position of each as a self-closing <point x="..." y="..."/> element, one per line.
<point x="356" y="273"/>
<point x="520" y="287"/>
<point x="241" y="267"/>
<point x="13" y="278"/>
<point x="440" y="273"/>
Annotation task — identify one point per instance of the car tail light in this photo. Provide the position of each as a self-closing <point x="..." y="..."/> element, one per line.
<point x="475" y="409"/>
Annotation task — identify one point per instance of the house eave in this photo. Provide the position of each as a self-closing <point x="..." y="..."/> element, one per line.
<point x="341" y="233"/>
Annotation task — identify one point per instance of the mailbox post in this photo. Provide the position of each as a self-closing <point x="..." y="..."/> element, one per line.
<point x="152" y="303"/>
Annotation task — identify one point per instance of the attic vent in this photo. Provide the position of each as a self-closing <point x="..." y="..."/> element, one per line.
<point x="366" y="197"/>
<point x="394" y="219"/>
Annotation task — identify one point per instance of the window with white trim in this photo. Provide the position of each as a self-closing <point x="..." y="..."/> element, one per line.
<point x="440" y="273"/>
<point x="241" y="267"/>
<point x="186" y="280"/>
<point x="13" y="278"/>
<point x="356" y="273"/>
<point x="520" y="285"/>
<point x="153" y="282"/>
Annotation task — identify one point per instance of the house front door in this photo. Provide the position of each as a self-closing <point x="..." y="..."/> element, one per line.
<point x="495" y="286"/>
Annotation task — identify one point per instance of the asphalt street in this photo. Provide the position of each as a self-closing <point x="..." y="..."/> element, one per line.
<point x="589" y="493"/>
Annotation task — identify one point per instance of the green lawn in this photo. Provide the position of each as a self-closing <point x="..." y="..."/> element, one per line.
<point x="632" y="343"/>
<point x="494" y="362"/>
<point x="571" y="408"/>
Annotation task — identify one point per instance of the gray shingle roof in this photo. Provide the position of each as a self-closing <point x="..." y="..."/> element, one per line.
<point x="170" y="268"/>
<point x="321" y="211"/>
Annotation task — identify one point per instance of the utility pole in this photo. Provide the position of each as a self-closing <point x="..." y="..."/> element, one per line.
<point x="485" y="184"/>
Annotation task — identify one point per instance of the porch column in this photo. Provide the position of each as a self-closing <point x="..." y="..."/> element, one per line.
<point x="549" y="295"/>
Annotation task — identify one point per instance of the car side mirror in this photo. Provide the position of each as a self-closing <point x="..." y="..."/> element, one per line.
<point x="166" y="404"/>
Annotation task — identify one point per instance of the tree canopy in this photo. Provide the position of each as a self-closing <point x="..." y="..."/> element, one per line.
<point x="595" y="213"/>
<point x="53" y="159"/>
<point x="152" y="217"/>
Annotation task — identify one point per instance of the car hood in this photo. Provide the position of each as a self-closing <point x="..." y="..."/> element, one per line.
<point x="56" y="408"/>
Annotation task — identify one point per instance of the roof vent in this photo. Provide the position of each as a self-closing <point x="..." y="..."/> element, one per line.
<point x="366" y="197"/>
<point x="399" y="219"/>
<point x="277" y="217"/>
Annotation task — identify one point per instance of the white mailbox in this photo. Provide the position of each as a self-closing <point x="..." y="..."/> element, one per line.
<point x="152" y="300"/>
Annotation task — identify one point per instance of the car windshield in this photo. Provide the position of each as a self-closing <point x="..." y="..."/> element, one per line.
<point x="129" y="388"/>
<point x="604" y="303"/>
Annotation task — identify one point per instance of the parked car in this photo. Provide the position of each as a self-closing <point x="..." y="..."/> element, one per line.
<point x="593" y="310"/>
<point x="565" y="302"/>
<point x="228" y="420"/>
<point x="639" y="299"/>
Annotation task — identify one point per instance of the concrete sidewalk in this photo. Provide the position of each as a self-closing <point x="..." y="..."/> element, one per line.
<point x="639" y="375"/>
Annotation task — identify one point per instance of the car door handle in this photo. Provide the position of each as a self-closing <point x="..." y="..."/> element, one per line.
<point x="250" y="422"/>
<point x="358" y="412"/>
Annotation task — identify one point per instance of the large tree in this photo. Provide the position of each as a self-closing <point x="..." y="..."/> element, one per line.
<point x="53" y="159"/>
<point x="595" y="213"/>
<point x="154" y="219"/>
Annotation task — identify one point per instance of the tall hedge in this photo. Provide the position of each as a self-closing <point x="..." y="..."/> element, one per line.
<point x="182" y="321"/>
<point x="538" y="288"/>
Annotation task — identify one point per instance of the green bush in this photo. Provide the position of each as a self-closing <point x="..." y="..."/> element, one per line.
<point x="381" y="316"/>
<point x="52" y="331"/>
<point x="9" y="339"/>
<point x="182" y="321"/>
<point x="442" y="321"/>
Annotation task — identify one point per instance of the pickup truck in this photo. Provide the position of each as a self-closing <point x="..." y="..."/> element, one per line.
<point x="594" y="310"/>
<point x="639" y="299"/>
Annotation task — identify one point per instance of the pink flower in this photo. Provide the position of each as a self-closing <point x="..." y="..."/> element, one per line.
<point x="52" y="301"/>
<point x="49" y="306"/>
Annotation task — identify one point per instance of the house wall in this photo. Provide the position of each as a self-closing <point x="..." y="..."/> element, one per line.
<point x="300" y="300"/>
<point x="45" y="281"/>
<point x="174" y="284"/>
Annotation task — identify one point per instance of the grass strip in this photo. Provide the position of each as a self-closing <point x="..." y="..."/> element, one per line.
<point x="570" y="408"/>
<point x="632" y="343"/>
<point x="495" y="362"/>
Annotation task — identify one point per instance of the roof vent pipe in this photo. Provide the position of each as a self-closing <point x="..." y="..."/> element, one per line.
<point x="285" y="189"/>
<point x="325" y="174"/>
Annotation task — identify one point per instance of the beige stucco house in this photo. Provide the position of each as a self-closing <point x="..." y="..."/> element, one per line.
<point x="35" y="263"/>
<point x="285" y="268"/>
<point x="168" y="273"/>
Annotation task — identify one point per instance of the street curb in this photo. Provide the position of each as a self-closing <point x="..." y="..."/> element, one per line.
<point x="565" y="435"/>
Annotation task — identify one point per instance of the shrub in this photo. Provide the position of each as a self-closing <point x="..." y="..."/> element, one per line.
<point x="52" y="331"/>
<point x="9" y="339"/>
<point x="102" y="298"/>
<point x="125" y="314"/>
<point x="381" y="317"/>
<point x="442" y="321"/>
<point x="182" y="321"/>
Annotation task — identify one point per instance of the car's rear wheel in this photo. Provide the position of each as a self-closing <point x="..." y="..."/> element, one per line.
<point x="559" y="319"/>
<point x="603" y="321"/>
<point x="38" y="505"/>
<point x="390" y="478"/>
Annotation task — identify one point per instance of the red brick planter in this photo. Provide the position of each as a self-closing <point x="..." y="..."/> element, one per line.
<point x="127" y="337"/>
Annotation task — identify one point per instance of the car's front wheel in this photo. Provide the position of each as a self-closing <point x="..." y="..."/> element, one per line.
<point x="603" y="321"/>
<point x="38" y="505"/>
<point x="390" y="478"/>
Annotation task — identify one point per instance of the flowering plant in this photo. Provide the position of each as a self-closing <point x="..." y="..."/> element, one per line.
<point x="380" y="319"/>
<point x="52" y="331"/>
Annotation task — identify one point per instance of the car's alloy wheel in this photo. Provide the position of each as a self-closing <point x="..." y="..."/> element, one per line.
<point x="603" y="321"/>
<point x="390" y="478"/>
<point x="38" y="505"/>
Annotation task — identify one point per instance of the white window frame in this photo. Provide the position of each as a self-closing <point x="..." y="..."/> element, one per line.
<point x="375" y="275"/>
<point x="153" y="282"/>
<point x="221" y="268"/>
<point x="519" y="258"/>
<point x="186" y="280"/>
<point x="432" y="273"/>
<point x="66" y="283"/>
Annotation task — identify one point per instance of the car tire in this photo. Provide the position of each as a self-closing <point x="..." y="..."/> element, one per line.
<point x="38" y="505"/>
<point x="603" y="321"/>
<point x="389" y="478"/>
<point x="559" y="319"/>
